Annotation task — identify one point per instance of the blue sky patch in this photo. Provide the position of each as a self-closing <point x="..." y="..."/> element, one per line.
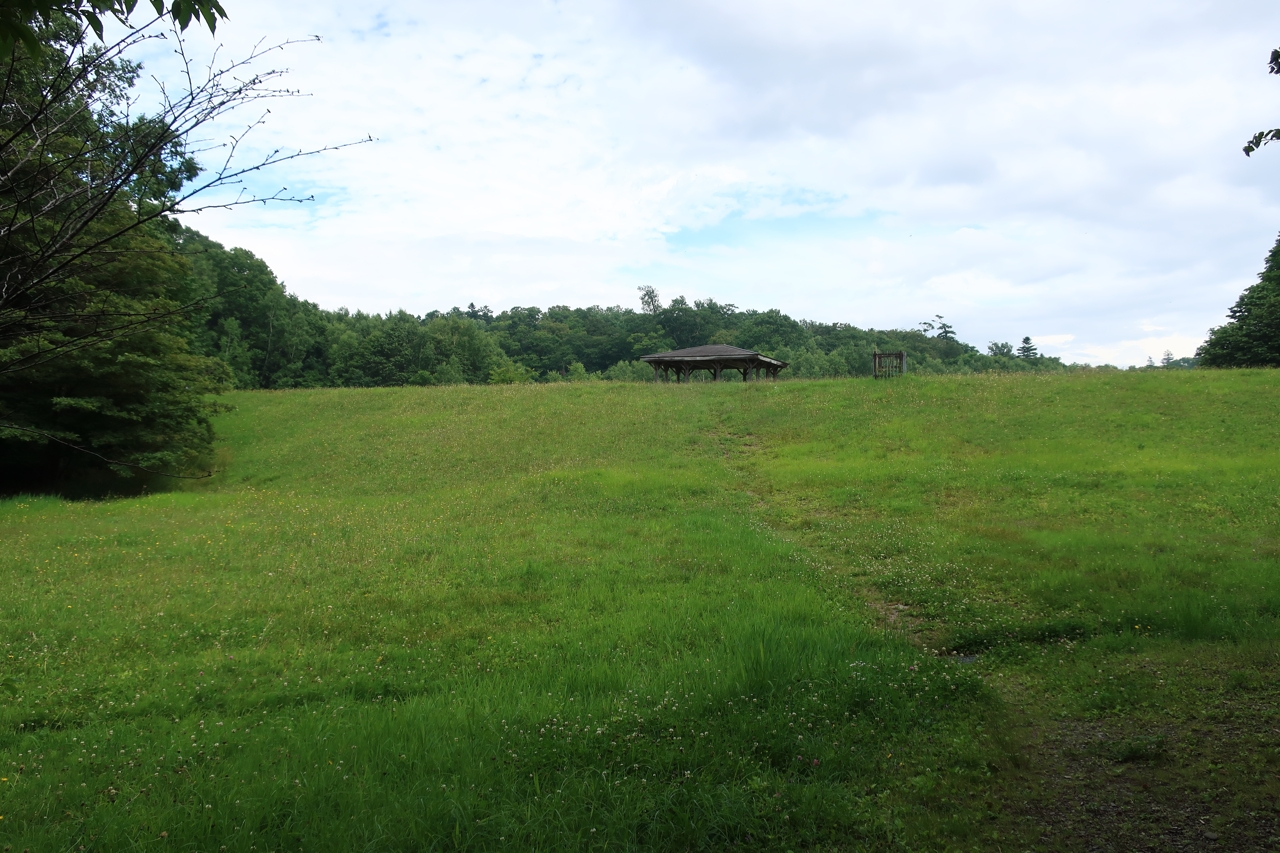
<point x="738" y="230"/>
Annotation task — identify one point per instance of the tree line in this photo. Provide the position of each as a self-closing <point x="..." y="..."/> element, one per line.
<point x="270" y="338"/>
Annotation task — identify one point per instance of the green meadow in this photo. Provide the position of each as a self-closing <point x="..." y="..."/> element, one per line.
<point x="939" y="613"/>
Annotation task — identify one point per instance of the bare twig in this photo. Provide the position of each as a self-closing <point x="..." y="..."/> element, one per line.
<point x="82" y="167"/>
<point x="57" y="209"/>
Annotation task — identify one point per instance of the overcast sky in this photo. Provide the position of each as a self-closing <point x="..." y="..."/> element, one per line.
<point x="1068" y="171"/>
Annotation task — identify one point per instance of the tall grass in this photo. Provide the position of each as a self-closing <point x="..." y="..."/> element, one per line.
<point x="610" y="616"/>
<point x="1017" y="508"/>
<point x="448" y="618"/>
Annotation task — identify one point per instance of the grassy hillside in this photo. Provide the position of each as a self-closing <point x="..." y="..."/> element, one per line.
<point x="940" y="612"/>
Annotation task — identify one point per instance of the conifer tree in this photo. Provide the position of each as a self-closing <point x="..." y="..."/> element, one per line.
<point x="1251" y="338"/>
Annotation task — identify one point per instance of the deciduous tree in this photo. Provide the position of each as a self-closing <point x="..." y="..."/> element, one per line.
<point x="88" y="189"/>
<point x="995" y="349"/>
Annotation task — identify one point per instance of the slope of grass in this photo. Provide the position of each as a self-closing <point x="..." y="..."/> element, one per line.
<point x="1107" y="548"/>
<point x="827" y="615"/>
<point x="1044" y="507"/>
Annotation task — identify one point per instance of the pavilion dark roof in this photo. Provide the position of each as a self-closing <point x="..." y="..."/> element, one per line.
<point x="711" y="352"/>
<point x="713" y="358"/>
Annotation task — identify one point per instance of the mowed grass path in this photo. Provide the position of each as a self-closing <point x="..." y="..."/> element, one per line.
<point x="646" y="617"/>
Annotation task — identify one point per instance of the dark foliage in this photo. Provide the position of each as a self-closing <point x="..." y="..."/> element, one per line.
<point x="1251" y="338"/>
<point x="22" y="21"/>
<point x="106" y="357"/>
<point x="95" y="364"/>
<point x="138" y="403"/>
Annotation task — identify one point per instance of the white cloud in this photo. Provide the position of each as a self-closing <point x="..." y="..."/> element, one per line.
<point x="1135" y="351"/>
<point x="1071" y="171"/>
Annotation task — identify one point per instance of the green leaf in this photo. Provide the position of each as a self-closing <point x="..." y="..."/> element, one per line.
<point x="95" y="23"/>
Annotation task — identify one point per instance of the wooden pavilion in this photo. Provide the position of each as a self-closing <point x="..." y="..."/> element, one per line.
<point x="713" y="358"/>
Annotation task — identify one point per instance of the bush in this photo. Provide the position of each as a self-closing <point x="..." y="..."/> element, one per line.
<point x="629" y="371"/>
<point x="510" y="373"/>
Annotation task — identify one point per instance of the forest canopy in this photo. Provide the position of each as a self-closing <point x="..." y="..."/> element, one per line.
<point x="270" y="338"/>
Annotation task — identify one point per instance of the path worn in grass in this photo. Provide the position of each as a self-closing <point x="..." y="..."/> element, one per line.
<point x="644" y="617"/>
<point x="1106" y="548"/>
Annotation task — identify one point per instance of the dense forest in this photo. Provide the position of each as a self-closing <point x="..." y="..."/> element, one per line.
<point x="270" y="338"/>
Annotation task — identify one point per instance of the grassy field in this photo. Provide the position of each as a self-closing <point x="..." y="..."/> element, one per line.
<point x="970" y="613"/>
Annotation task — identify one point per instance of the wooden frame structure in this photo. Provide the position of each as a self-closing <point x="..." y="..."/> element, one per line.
<point x="713" y="358"/>
<point x="886" y="365"/>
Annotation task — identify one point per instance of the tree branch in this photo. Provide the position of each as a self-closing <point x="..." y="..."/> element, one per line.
<point x="52" y="437"/>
